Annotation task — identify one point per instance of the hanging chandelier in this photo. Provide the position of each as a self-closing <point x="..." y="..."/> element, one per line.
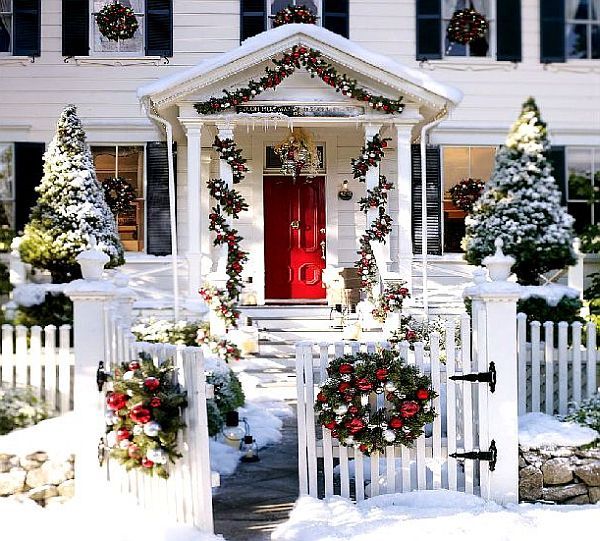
<point x="298" y="154"/>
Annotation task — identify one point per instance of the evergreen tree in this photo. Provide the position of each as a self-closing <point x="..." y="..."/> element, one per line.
<point x="70" y="208"/>
<point x="522" y="205"/>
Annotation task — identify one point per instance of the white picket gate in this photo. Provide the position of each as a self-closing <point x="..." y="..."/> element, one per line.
<point x="41" y="359"/>
<point x="461" y="425"/>
<point x="551" y="378"/>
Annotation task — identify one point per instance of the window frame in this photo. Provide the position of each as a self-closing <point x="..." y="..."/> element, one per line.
<point x="144" y="197"/>
<point x="492" y="33"/>
<point x="594" y="170"/>
<point x="589" y="22"/>
<point x="11" y="13"/>
<point x="12" y="199"/>
<point x="93" y="53"/>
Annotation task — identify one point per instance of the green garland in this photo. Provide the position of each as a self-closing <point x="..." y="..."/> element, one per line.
<point x="390" y="300"/>
<point x="144" y="416"/>
<point x="342" y="404"/>
<point x="313" y="62"/>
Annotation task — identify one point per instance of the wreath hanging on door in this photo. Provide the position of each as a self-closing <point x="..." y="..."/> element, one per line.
<point x="466" y="25"/>
<point x="343" y="403"/>
<point x="117" y="22"/>
<point x="298" y="153"/>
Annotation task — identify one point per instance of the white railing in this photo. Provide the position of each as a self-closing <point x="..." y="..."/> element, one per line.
<point x="558" y="365"/>
<point x="41" y="359"/>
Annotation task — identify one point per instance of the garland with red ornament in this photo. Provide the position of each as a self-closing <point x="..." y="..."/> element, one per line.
<point x="390" y="300"/>
<point x="143" y="416"/>
<point x="343" y="402"/>
<point x="117" y="22"/>
<point x="466" y="25"/>
<point x="313" y="62"/>
<point x="294" y="15"/>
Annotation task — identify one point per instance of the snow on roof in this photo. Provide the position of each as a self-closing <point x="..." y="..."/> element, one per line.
<point x="541" y="430"/>
<point x="271" y="37"/>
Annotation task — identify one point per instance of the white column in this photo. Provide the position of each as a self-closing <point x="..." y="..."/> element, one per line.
<point x="404" y="193"/>
<point x="196" y="221"/>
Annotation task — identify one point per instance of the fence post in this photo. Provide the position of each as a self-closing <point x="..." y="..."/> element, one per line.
<point x="125" y="297"/>
<point x="498" y="302"/>
<point x="575" y="273"/>
<point x="89" y="296"/>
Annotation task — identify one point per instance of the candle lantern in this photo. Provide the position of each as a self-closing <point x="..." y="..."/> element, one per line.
<point x="233" y="433"/>
<point x="249" y="450"/>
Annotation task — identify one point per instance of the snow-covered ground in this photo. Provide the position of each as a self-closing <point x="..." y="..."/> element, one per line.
<point x="540" y="430"/>
<point x="438" y="514"/>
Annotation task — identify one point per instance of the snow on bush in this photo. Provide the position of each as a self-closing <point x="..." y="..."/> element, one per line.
<point x="29" y="294"/>
<point x="587" y="413"/>
<point x="19" y="408"/>
<point x="540" y="430"/>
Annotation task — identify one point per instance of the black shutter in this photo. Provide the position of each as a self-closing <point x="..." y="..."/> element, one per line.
<point x="29" y="168"/>
<point x="429" y="29"/>
<point x="158" y="226"/>
<point x="508" y="16"/>
<point x="253" y="18"/>
<point x="336" y="16"/>
<point x="434" y="200"/>
<point x="75" y="27"/>
<point x="556" y="156"/>
<point x="27" y="26"/>
<point x="552" y="31"/>
<point x="159" y="28"/>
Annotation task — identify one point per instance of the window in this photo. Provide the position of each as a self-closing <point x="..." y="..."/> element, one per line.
<point x="278" y="5"/>
<point x="583" y="28"/>
<point x="273" y="161"/>
<point x="7" y="183"/>
<point x="583" y="200"/>
<point x="127" y="162"/>
<point x="460" y="163"/>
<point x="6" y="26"/>
<point x="102" y="45"/>
<point x="478" y="47"/>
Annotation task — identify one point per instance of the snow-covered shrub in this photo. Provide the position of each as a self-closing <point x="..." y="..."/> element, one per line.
<point x="19" y="408"/>
<point x="522" y="205"/>
<point x="163" y="331"/>
<point x="70" y="207"/>
<point x="587" y="413"/>
<point x="228" y="393"/>
<point x="540" y="309"/>
<point x="54" y="309"/>
<point x="414" y="330"/>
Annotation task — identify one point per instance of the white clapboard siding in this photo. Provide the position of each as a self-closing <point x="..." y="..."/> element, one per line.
<point x="560" y="370"/>
<point x="30" y="358"/>
<point x="424" y="465"/>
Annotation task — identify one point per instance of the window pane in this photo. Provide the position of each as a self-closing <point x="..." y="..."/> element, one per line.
<point x="579" y="166"/>
<point x="105" y="162"/>
<point x="132" y="45"/>
<point x="456" y="166"/>
<point x="482" y="162"/>
<point x="131" y="161"/>
<point x="577" y="40"/>
<point x="6" y="171"/>
<point x="582" y="212"/>
<point x="5" y="25"/>
<point x="595" y="41"/>
<point x="7" y="214"/>
<point x="577" y="9"/>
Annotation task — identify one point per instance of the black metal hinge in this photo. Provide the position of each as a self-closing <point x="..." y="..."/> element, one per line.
<point x="491" y="455"/>
<point x="489" y="377"/>
<point x="101" y="376"/>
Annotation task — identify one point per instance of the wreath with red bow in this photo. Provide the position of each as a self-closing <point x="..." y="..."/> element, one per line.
<point x="466" y="26"/>
<point x="117" y="22"/>
<point x="294" y="14"/>
<point x="355" y="382"/>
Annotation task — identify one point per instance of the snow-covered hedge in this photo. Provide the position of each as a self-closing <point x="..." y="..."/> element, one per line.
<point x="19" y="408"/>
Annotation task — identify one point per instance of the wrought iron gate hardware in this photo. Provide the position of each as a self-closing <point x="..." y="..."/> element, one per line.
<point x="491" y="455"/>
<point x="481" y="377"/>
<point x="102" y="452"/>
<point x="101" y="376"/>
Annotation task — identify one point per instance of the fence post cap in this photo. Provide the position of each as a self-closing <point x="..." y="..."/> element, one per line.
<point x="92" y="261"/>
<point x="499" y="264"/>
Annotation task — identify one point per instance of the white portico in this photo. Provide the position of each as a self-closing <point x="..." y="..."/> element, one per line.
<point x="337" y="123"/>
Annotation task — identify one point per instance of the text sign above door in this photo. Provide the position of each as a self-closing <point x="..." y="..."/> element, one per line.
<point x="303" y="110"/>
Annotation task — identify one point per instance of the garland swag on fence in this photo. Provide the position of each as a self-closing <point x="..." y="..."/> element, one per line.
<point x="229" y="203"/>
<point x="313" y="62"/>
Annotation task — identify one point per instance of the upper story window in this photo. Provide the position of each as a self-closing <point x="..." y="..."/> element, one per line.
<point x="103" y="45"/>
<point x="6" y="26"/>
<point x="583" y="186"/>
<point x="478" y="47"/>
<point x="20" y="27"/>
<point x="7" y="185"/>
<point x="582" y="18"/>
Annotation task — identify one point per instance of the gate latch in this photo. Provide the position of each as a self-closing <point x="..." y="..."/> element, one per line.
<point x="489" y="377"/>
<point x="491" y="455"/>
<point x="101" y="376"/>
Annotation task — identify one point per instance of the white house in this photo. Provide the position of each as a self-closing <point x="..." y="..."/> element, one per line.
<point x="458" y="100"/>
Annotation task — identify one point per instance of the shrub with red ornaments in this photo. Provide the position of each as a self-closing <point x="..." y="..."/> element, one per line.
<point x="404" y="398"/>
<point x="390" y="300"/>
<point x="143" y="416"/>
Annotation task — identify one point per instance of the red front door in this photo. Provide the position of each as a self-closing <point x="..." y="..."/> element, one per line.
<point x="294" y="237"/>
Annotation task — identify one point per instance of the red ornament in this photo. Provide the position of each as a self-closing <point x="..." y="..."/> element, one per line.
<point x="123" y="434"/>
<point x="409" y="408"/>
<point x="147" y="463"/>
<point x="134" y="452"/>
<point x="362" y="448"/>
<point x="364" y="384"/>
<point x="355" y="425"/>
<point x="348" y="397"/>
<point x="155" y="402"/>
<point x="422" y="394"/>
<point x="134" y="365"/>
<point x="330" y="425"/>
<point x="151" y="383"/>
<point x="353" y="410"/>
<point x="321" y="397"/>
<point x="116" y="401"/>
<point x="346" y="368"/>
<point x="140" y="415"/>
<point x="343" y="387"/>
<point x="381" y="374"/>
<point x="396" y="422"/>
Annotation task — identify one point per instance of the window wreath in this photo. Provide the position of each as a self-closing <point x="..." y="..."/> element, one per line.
<point x="119" y="194"/>
<point x="465" y="194"/>
<point x="117" y="22"/>
<point x="466" y="25"/>
<point x="343" y="402"/>
<point x="293" y="15"/>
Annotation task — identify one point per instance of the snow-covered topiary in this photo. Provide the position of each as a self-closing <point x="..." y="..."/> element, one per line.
<point x="522" y="205"/>
<point x="70" y="208"/>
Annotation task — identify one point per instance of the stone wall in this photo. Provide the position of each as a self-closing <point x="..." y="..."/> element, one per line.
<point x="567" y="475"/>
<point x="37" y="477"/>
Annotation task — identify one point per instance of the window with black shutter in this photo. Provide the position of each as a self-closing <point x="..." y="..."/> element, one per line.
<point x="158" y="215"/>
<point x="579" y="168"/>
<point x="552" y="31"/>
<point x="429" y="29"/>
<point x="434" y="202"/>
<point x="27" y="27"/>
<point x="253" y="18"/>
<point x="75" y="27"/>
<point x="159" y="28"/>
<point x="336" y="16"/>
<point x="28" y="171"/>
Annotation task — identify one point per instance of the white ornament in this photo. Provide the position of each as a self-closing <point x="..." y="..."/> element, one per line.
<point x="137" y="430"/>
<point x="346" y="377"/>
<point x="341" y="409"/>
<point x="158" y="456"/>
<point x="123" y="444"/>
<point x="389" y="386"/>
<point x="152" y="429"/>
<point x="111" y="438"/>
<point x="111" y="418"/>
<point x="128" y="375"/>
<point x="389" y="436"/>
<point x="349" y="440"/>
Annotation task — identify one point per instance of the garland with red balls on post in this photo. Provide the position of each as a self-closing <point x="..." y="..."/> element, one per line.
<point x="229" y="203"/>
<point x="294" y="15"/>
<point x="313" y="62"/>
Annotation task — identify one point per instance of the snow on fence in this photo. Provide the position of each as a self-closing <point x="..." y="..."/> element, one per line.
<point x="41" y="359"/>
<point x="461" y="424"/>
<point x="558" y="365"/>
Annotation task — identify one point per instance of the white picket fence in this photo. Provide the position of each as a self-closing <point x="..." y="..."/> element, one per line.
<point x="551" y="378"/>
<point x="461" y="424"/>
<point x="41" y="359"/>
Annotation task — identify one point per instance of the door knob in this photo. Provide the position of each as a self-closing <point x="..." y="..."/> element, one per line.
<point x="295" y="224"/>
<point x="322" y="244"/>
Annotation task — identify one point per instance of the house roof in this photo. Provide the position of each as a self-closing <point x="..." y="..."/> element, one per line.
<point x="273" y="42"/>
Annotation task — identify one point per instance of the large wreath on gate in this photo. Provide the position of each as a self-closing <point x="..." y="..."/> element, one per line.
<point x="119" y="194"/>
<point x="143" y="416"/>
<point x="294" y="14"/>
<point x="466" y="25"/>
<point x="343" y="402"/>
<point x="117" y="22"/>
